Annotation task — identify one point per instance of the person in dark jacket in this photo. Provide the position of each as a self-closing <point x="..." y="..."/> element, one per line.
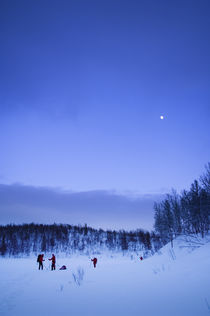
<point x="40" y="260"/>
<point x="141" y="258"/>
<point x="53" y="262"/>
<point x="94" y="262"/>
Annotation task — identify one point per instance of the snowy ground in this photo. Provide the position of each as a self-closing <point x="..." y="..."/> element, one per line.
<point x="174" y="282"/>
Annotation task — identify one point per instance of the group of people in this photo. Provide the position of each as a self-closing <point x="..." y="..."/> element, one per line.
<point x="40" y="260"/>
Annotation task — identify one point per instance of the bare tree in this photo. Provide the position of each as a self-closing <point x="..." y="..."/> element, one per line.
<point x="205" y="178"/>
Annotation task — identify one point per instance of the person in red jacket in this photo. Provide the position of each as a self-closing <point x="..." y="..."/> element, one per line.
<point x="40" y="260"/>
<point x="53" y="262"/>
<point x="94" y="262"/>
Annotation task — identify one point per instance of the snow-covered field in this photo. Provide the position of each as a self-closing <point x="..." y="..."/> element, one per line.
<point x="175" y="282"/>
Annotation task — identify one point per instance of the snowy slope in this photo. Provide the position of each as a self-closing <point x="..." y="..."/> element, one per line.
<point x="174" y="282"/>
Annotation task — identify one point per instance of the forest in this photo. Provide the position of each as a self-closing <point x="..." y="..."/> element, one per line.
<point x="16" y="240"/>
<point x="185" y="213"/>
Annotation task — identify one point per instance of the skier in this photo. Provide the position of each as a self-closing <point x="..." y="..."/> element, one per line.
<point x="40" y="260"/>
<point x="94" y="262"/>
<point x="53" y="262"/>
<point x="141" y="258"/>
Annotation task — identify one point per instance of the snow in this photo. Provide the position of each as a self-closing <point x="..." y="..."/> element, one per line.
<point x="174" y="282"/>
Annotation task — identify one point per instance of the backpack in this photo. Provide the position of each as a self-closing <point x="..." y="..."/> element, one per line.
<point x="38" y="258"/>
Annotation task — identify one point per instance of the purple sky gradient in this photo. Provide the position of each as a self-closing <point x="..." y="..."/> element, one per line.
<point x="83" y="85"/>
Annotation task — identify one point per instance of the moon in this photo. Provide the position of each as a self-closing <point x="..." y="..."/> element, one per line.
<point x="161" y="117"/>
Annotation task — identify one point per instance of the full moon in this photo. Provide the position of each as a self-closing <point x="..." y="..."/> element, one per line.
<point x="161" y="117"/>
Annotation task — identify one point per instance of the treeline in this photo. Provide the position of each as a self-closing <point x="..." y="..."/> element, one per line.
<point x="25" y="239"/>
<point x="187" y="213"/>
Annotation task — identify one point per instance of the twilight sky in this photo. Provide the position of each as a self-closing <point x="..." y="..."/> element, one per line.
<point x="82" y="88"/>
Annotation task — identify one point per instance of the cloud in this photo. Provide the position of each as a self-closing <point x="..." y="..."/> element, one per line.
<point x="100" y="209"/>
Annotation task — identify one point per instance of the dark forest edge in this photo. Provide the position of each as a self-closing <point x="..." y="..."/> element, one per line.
<point x="25" y="239"/>
<point x="186" y="213"/>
